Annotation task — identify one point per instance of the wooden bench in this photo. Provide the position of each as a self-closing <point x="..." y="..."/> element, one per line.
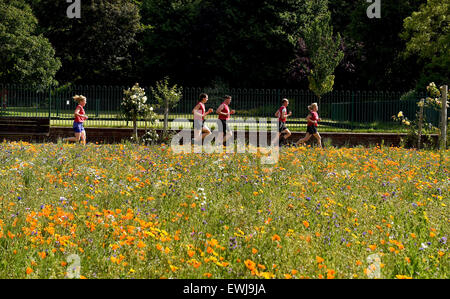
<point x="28" y="127"/>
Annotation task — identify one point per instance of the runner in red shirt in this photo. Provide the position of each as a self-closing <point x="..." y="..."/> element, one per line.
<point x="199" y="118"/>
<point x="282" y="117"/>
<point x="311" y="129"/>
<point x="80" y="117"/>
<point x="224" y="115"/>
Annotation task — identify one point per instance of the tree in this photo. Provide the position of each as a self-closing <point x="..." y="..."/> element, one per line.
<point x="167" y="97"/>
<point x="198" y="42"/>
<point x="380" y="64"/>
<point x="322" y="47"/>
<point x="25" y="57"/>
<point x="134" y="106"/>
<point x="99" y="47"/>
<point x="427" y="35"/>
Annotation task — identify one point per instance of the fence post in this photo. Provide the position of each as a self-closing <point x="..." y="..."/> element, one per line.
<point x="352" y="111"/>
<point x="420" y="122"/>
<point x="50" y="103"/>
<point x="444" y="92"/>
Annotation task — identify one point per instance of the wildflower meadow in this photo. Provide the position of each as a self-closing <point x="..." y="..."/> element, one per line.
<point x="128" y="211"/>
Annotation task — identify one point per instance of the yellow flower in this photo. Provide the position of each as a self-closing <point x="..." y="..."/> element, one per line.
<point x="400" y="114"/>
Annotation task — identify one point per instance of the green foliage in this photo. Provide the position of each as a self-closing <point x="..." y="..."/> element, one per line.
<point x="427" y="31"/>
<point x="320" y="87"/>
<point x="427" y="35"/>
<point x="380" y="64"/>
<point x="100" y="47"/>
<point x="167" y="97"/>
<point x="324" y="53"/>
<point x="25" y="56"/>
<point x="433" y="101"/>
<point x="409" y="95"/>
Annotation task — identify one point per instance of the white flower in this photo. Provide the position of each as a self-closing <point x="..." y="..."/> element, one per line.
<point x="151" y="108"/>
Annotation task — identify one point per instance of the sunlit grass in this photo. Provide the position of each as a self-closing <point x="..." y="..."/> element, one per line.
<point x="144" y="212"/>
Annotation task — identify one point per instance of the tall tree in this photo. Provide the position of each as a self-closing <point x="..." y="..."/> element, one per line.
<point x="25" y="56"/>
<point x="100" y="46"/>
<point x="315" y="37"/>
<point x="325" y="54"/>
<point x="197" y="42"/>
<point x="380" y="65"/>
<point x="427" y="35"/>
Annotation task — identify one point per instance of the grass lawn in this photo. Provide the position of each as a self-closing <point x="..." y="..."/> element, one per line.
<point x="112" y="119"/>
<point x="126" y="211"/>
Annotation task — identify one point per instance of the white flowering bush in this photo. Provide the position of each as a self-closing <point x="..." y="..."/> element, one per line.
<point x="134" y="106"/>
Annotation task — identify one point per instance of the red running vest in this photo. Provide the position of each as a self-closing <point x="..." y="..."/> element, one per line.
<point x="224" y="110"/>
<point x="77" y="118"/>
<point x="202" y="109"/>
<point x="281" y="114"/>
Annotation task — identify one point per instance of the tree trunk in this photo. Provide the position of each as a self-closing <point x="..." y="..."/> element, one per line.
<point x="166" y="116"/>
<point x="135" y="128"/>
<point x="443" y="136"/>
<point x="420" y="123"/>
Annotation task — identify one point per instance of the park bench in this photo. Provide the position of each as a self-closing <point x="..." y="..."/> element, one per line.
<point x="28" y="127"/>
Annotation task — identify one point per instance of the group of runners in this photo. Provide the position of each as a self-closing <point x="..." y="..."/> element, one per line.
<point x="224" y="112"/>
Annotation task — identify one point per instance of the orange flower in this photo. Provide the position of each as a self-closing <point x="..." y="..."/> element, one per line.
<point x="358" y="263"/>
<point x="276" y="238"/>
<point x="330" y="273"/>
<point x="191" y="253"/>
<point x="141" y="244"/>
<point x="29" y="270"/>
<point x="287" y="276"/>
<point x="306" y="223"/>
<point x="207" y="275"/>
<point x="254" y="250"/>
<point x="249" y="264"/>
<point x="319" y="259"/>
<point x="372" y="247"/>
<point x="432" y="235"/>
<point x="413" y="235"/>
<point x="42" y="254"/>
<point x="294" y="272"/>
